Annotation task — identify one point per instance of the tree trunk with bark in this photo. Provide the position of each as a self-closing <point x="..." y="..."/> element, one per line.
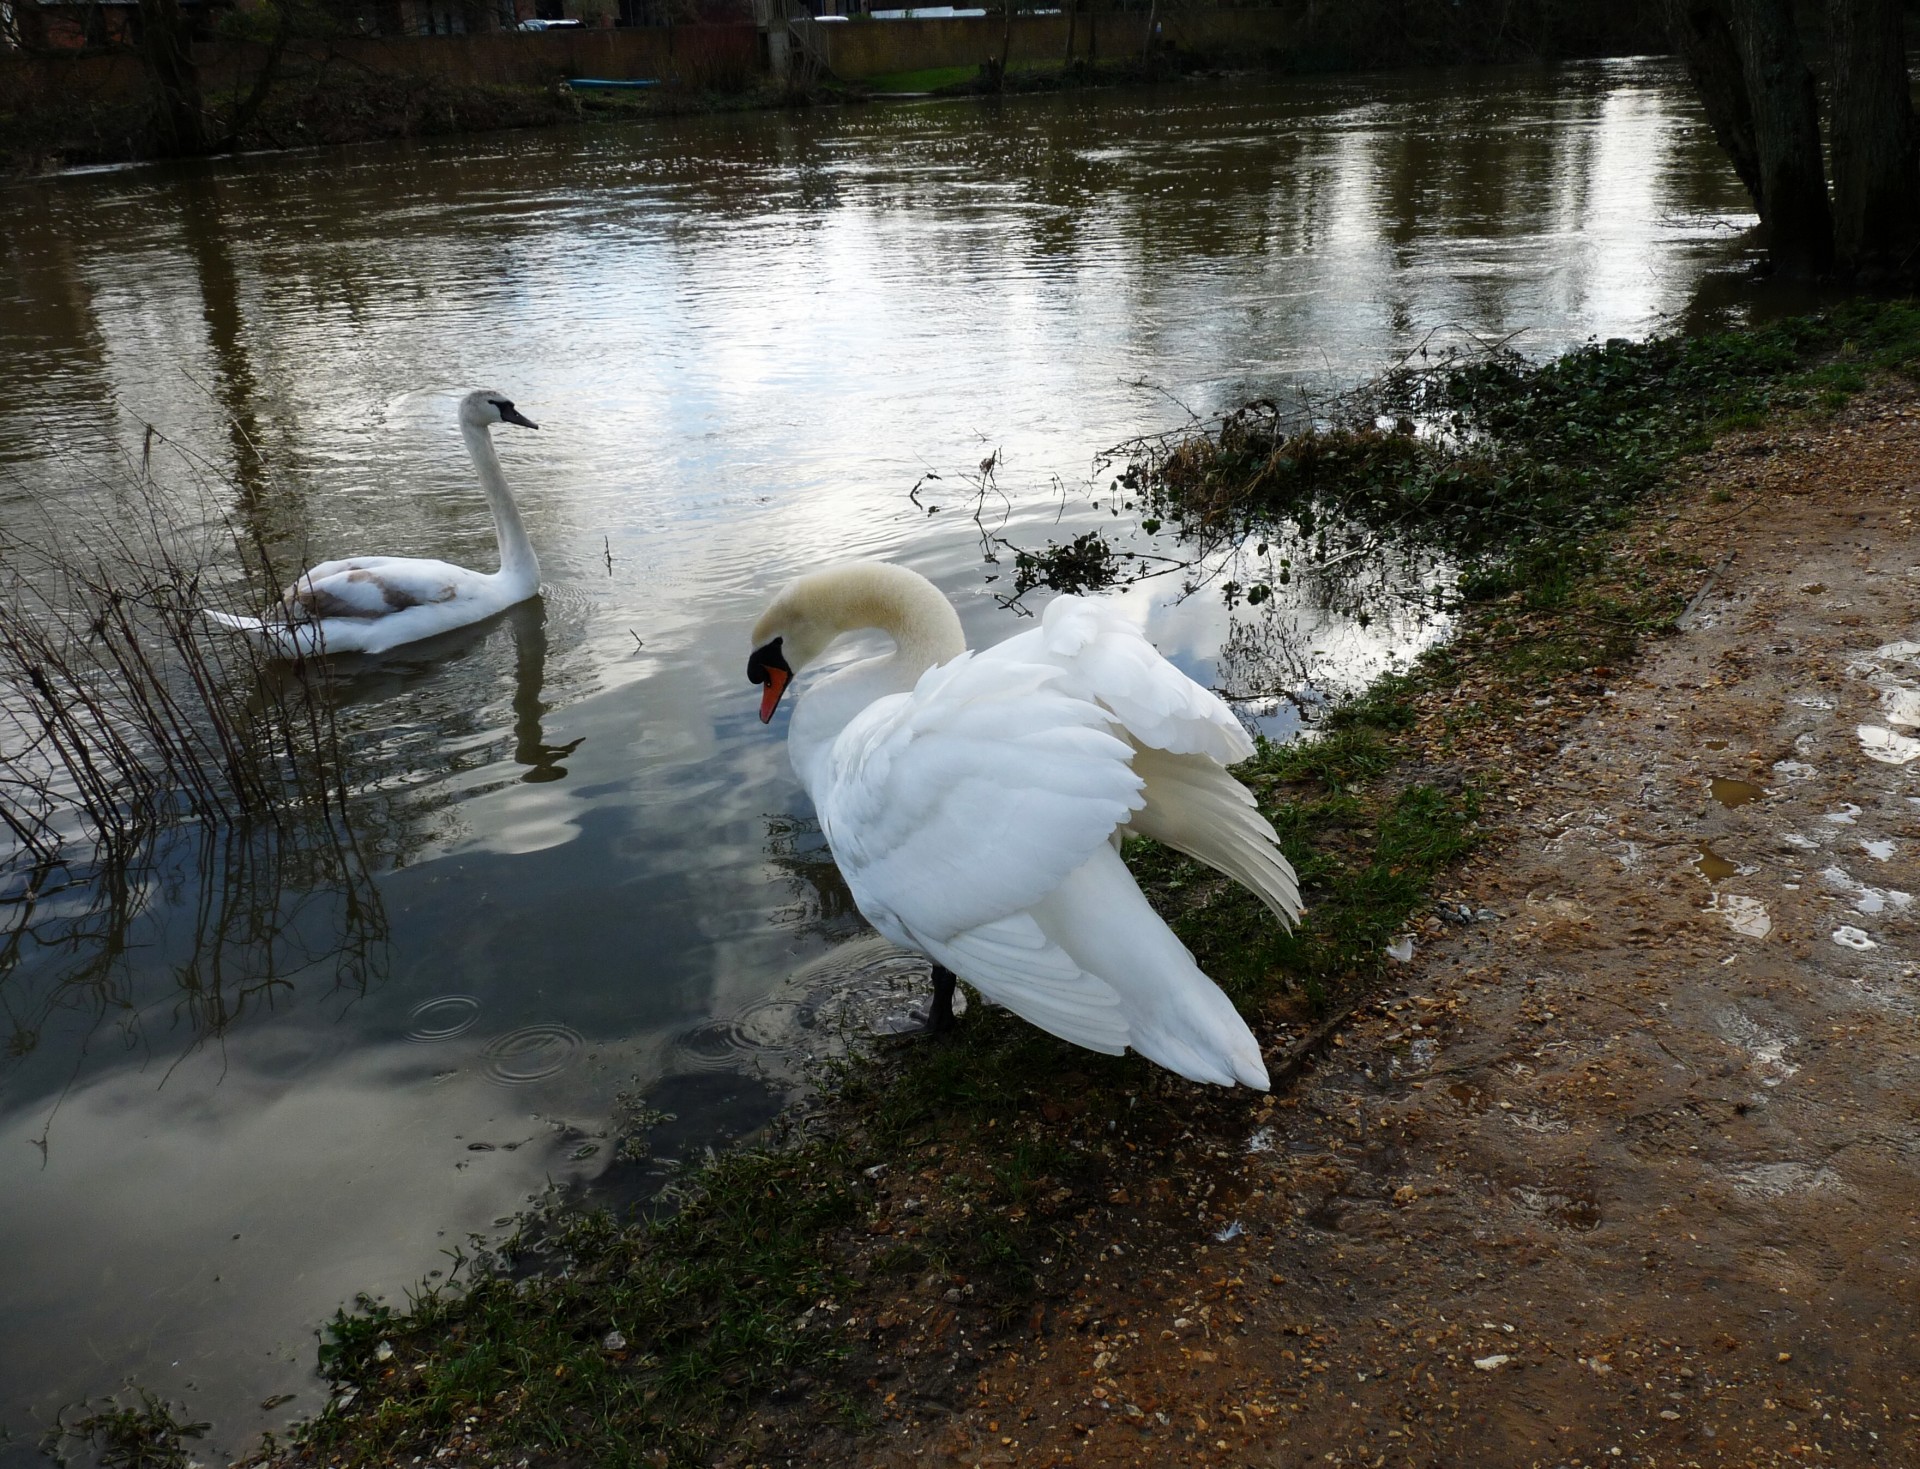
<point x="1786" y="135"/>
<point x="1702" y="35"/>
<point x="166" y="49"/>
<point x="1876" y="167"/>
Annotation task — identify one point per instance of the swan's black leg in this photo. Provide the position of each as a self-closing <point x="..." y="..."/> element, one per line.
<point x="940" y="1017"/>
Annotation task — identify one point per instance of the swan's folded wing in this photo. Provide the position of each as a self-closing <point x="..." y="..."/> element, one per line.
<point x="972" y="797"/>
<point x="1196" y="807"/>
<point x="374" y="586"/>
<point x="1014" y="964"/>
<point x="1108" y="658"/>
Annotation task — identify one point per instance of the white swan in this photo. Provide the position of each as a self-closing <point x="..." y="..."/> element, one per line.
<point x="368" y="604"/>
<point x="974" y="802"/>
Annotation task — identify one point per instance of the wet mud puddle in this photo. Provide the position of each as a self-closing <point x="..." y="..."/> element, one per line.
<point x="1732" y="793"/>
<point x="1712" y="866"/>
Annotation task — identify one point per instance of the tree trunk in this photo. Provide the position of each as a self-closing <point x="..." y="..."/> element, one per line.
<point x="248" y="107"/>
<point x="1073" y="14"/>
<point x="1702" y="35"/>
<point x="166" y="49"/>
<point x="1786" y="135"/>
<point x="1876" y="170"/>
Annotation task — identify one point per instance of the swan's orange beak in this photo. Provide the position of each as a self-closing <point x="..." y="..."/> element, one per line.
<point x="768" y="668"/>
<point x="777" y="681"/>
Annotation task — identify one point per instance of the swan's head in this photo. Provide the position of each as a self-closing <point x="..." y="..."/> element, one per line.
<point x="813" y="610"/>
<point x="790" y="634"/>
<point x="483" y="408"/>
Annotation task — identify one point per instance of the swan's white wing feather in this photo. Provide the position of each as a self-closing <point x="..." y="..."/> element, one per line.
<point x="1184" y="737"/>
<point x="1014" y="964"/>
<point x="1108" y="659"/>
<point x="1196" y="807"/>
<point x="973" y="796"/>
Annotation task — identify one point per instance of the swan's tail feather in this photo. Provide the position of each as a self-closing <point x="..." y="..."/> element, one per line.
<point x="1175" y="1016"/>
<point x="1235" y="1060"/>
<point x="297" y="640"/>
<point x="238" y="624"/>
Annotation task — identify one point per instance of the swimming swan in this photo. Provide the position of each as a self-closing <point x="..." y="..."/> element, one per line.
<point x="368" y="604"/>
<point x="974" y="802"/>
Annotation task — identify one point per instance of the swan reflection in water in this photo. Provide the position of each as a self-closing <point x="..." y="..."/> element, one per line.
<point x="427" y="676"/>
<point x="529" y="624"/>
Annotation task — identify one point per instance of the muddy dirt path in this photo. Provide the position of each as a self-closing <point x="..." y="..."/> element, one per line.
<point x="1626" y="1170"/>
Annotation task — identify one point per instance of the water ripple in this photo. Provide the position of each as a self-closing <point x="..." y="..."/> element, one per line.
<point x="531" y="1053"/>
<point x="442" y="1018"/>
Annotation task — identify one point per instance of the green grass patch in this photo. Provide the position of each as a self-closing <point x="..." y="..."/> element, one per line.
<point x="633" y="1343"/>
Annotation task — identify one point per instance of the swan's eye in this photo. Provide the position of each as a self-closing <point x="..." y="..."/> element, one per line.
<point x="765" y="658"/>
<point x="502" y="404"/>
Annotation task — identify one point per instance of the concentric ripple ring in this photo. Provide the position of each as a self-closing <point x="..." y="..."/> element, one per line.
<point x="531" y="1053"/>
<point x="442" y="1018"/>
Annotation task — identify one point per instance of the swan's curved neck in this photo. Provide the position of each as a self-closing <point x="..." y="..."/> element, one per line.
<point x="909" y="609"/>
<point x="518" y="564"/>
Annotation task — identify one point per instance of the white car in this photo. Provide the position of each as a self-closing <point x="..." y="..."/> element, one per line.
<point x="552" y="25"/>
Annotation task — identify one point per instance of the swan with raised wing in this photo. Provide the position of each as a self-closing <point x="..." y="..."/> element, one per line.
<point x="368" y="604"/>
<point x="974" y="803"/>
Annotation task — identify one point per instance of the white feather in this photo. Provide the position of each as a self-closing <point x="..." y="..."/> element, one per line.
<point x="369" y="604"/>
<point x="971" y="800"/>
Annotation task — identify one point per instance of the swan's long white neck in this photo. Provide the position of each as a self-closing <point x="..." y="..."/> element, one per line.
<point x="519" y="567"/>
<point x="908" y="608"/>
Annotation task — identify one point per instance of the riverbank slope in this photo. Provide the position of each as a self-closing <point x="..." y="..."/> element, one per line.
<point x="1622" y="1167"/>
<point x="65" y="108"/>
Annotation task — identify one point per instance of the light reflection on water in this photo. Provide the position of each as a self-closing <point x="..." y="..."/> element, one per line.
<point x="745" y="339"/>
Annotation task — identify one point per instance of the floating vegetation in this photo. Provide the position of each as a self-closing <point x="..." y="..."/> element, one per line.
<point x="145" y="1434"/>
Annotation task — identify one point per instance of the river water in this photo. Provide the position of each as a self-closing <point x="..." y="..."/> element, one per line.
<point x="271" y="1078"/>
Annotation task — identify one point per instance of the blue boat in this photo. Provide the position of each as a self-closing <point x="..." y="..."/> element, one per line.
<point x="601" y="84"/>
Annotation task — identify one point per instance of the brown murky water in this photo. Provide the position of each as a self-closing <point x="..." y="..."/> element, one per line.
<point x="1712" y="866"/>
<point x="746" y="339"/>
<point x="1731" y="793"/>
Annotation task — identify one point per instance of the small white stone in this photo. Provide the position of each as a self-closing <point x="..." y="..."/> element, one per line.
<point x="1493" y="1363"/>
